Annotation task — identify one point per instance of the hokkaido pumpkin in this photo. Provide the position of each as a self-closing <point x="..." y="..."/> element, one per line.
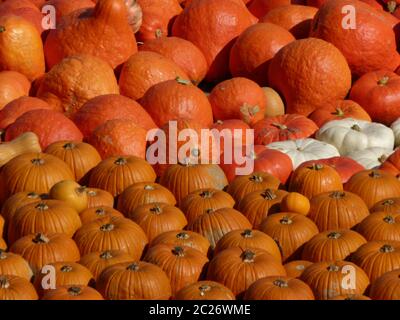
<point x="264" y="38"/>
<point x="14" y="264"/>
<point x="216" y="33"/>
<point x="134" y="281"/>
<point x="81" y="157"/>
<point x="316" y="62"/>
<point x="84" y="33"/>
<point x="205" y="290"/>
<point x="75" y="80"/>
<point x="380" y="225"/>
<point x="13" y="85"/>
<point x="184" y="53"/>
<point x="75" y="292"/>
<point x="237" y="268"/>
<point x="261" y="7"/>
<point x="115" y="174"/>
<point x="182" y="265"/>
<point x="21" y="47"/>
<point x="16" y="288"/>
<point x="275" y="106"/>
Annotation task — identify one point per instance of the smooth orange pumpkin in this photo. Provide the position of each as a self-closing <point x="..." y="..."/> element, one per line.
<point x="13" y="85"/>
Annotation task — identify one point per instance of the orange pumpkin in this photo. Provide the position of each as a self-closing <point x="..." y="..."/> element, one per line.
<point x="205" y="290"/>
<point x="13" y="85"/>
<point x="295" y="268"/>
<point x="16" y="288"/>
<point x="392" y="163"/>
<point x="389" y="205"/>
<point x="95" y="213"/>
<point x="295" y="202"/>
<point x="66" y="7"/>
<point x="83" y="33"/>
<point x="14" y="264"/>
<point x="380" y="226"/>
<point x="261" y="7"/>
<point x="386" y="287"/>
<point x="98" y="197"/>
<point x="74" y="292"/>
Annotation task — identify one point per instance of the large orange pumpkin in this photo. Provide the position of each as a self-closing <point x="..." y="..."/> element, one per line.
<point x="16" y="288"/>
<point x="103" y="32"/>
<point x="354" y="39"/>
<point x="75" y="80"/>
<point x="315" y="62"/>
<point x="266" y="39"/>
<point x="205" y="290"/>
<point x="106" y="107"/>
<point x="14" y="264"/>
<point x="380" y="225"/>
<point x="214" y="35"/>
<point x="74" y="292"/>
<point x="66" y="7"/>
<point x="261" y="7"/>
<point x="13" y="85"/>
<point x="21" y="47"/>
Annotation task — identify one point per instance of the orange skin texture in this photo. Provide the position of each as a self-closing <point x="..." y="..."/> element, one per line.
<point x="281" y="128"/>
<point x="50" y="126"/>
<point x="103" y="32"/>
<point x="157" y="17"/>
<point x="75" y="80"/>
<point x="238" y="98"/>
<point x="170" y="100"/>
<point x="145" y="69"/>
<point x="231" y="125"/>
<point x="184" y="53"/>
<point x="65" y="7"/>
<point x="25" y="9"/>
<point x="338" y="110"/>
<point x="212" y="26"/>
<point x="370" y="46"/>
<point x="261" y="7"/>
<point x="392" y="164"/>
<point x="309" y="73"/>
<point x="21" y="47"/>
<point x="294" y="18"/>
<point x="16" y="108"/>
<point x="102" y="108"/>
<point x="119" y="137"/>
<point x="12" y="86"/>
<point x="381" y="101"/>
<point x="253" y="50"/>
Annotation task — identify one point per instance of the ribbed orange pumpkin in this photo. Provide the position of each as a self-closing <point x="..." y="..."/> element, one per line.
<point x="115" y="174"/>
<point x="74" y="292"/>
<point x="111" y="233"/>
<point x="198" y="202"/>
<point x="99" y="197"/>
<point x="214" y="224"/>
<point x="47" y="216"/>
<point x="380" y="225"/>
<point x="16" y="288"/>
<point x="205" y="290"/>
<point x="351" y="297"/>
<point x="295" y="268"/>
<point x="257" y="181"/>
<point x="182" y="265"/>
<point x="315" y="179"/>
<point x="95" y="213"/>
<point x="386" y="287"/>
<point x="40" y="249"/>
<point x="257" y="205"/>
<point x="390" y="205"/>
<point x="332" y="245"/>
<point x="373" y="186"/>
<point x="81" y="157"/>
<point x="134" y="281"/>
<point x="290" y="231"/>
<point x="14" y="264"/>
<point x="157" y="218"/>
<point x="96" y="262"/>
<point x="337" y="210"/>
<point x="184" y="238"/>
<point x="326" y="279"/>
<point x="279" y="288"/>
<point x="237" y="268"/>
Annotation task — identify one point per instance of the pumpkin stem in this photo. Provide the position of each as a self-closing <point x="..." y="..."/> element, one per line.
<point x="219" y="122"/>
<point x="80" y="190"/>
<point x="100" y="212"/>
<point x="338" y="112"/>
<point x="74" y="291"/>
<point x="148" y="187"/>
<point x="156" y="209"/>
<point x="107" y="227"/>
<point x="40" y="238"/>
<point x="356" y="127"/>
<point x="206" y="194"/>
<point x="32" y="195"/>
<point x="375" y="174"/>
<point x="182" y="81"/>
<point x="3" y="255"/>
<point x="334" y="235"/>
<point x="281" y="283"/>
<point x="316" y="166"/>
<point x="333" y="268"/>
<point x="203" y="289"/>
<point x="269" y="194"/>
<point x="106" y="255"/>
<point x="158" y="33"/>
<point x="248" y="256"/>
<point x="389" y="219"/>
<point x="386" y="248"/>
<point x="4" y="282"/>
<point x="91" y="193"/>
<point x="182" y="236"/>
<point x="280" y="126"/>
<point x="42" y="206"/>
<point x="248" y="233"/>
<point x="337" y="195"/>
<point x="256" y="178"/>
<point x="133" y="267"/>
<point x="121" y="161"/>
<point x="2" y="29"/>
<point x="66" y="268"/>
<point x="286" y="220"/>
<point x="391" y="6"/>
<point x="388" y="202"/>
<point x="210" y="210"/>
<point x="178" y="251"/>
<point x="383" y="81"/>
<point x="37" y="162"/>
<point x="69" y="146"/>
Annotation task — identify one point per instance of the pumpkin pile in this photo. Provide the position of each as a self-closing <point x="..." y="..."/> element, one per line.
<point x="87" y="215"/>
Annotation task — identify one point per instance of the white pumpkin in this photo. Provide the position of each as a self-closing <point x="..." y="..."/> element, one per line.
<point x="396" y="130"/>
<point x="349" y="135"/>
<point x="372" y="157"/>
<point x="303" y="150"/>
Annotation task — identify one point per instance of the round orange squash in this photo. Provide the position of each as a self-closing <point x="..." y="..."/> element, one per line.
<point x="13" y="85"/>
